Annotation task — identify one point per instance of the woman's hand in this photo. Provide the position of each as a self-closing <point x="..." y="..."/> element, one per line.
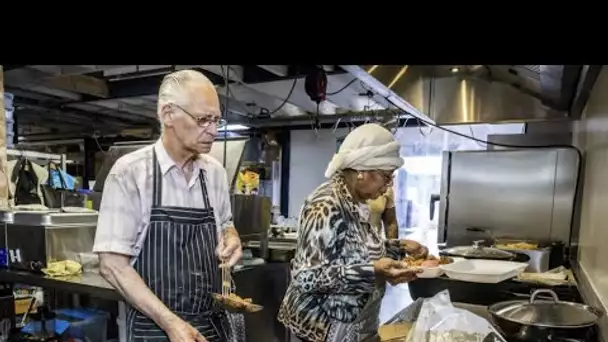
<point x="413" y="248"/>
<point x="395" y="272"/>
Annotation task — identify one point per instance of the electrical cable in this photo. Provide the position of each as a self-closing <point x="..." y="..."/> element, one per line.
<point x="293" y="86"/>
<point x="342" y="89"/>
<point x="227" y="81"/>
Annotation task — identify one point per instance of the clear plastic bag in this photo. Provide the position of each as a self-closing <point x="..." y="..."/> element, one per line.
<point x="440" y="321"/>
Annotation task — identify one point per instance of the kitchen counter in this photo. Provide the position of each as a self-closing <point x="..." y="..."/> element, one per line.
<point x="87" y="283"/>
<point x="265" y="284"/>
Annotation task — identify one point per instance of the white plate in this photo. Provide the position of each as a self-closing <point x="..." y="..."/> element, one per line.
<point x="435" y="272"/>
<point x="430" y="272"/>
<point x="483" y="271"/>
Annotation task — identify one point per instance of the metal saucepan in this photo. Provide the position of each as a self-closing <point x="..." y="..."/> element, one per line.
<point x="544" y="320"/>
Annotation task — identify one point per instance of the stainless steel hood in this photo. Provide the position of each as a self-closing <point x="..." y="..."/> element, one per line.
<point x="449" y="94"/>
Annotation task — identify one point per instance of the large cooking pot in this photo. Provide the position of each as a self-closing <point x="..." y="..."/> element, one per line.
<point x="544" y="320"/>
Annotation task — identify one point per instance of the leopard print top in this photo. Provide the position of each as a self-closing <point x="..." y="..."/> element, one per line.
<point x="332" y="272"/>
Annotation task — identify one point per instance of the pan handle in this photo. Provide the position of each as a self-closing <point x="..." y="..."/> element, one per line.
<point x="543" y="291"/>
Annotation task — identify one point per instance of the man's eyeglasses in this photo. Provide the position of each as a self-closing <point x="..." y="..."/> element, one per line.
<point x="202" y="121"/>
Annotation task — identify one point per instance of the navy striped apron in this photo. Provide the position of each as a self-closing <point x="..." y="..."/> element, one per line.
<point x="178" y="263"/>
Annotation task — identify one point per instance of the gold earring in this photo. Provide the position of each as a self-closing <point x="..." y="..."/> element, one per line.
<point x="360" y="176"/>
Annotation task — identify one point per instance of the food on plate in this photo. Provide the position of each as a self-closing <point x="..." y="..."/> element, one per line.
<point x="518" y="245"/>
<point x="394" y="331"/>
<point x="430" y="261"/>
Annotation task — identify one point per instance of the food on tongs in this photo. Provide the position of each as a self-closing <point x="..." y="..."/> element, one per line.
<point x="229" y="300"/>
<point x="234" y="303"/>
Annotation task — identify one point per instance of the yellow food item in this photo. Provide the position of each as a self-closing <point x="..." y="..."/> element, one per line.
<point x="392" y="332"/>
<point x="63" y="268"/>
<point x="518" y="245"/>
<point x="247" y="182"/>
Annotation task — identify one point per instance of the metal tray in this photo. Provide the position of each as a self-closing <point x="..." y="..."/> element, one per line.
<point x="6" y="216"/>
<point x="54" y="219"/>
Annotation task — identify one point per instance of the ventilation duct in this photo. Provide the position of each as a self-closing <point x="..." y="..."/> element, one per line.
<point x="477" y="94"/>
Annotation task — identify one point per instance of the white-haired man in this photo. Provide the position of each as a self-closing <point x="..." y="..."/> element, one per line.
<point x="165" y="221"/>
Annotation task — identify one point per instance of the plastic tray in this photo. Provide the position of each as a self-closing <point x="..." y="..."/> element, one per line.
<point x="435" y="272"/>
<point x="484" y="271"/>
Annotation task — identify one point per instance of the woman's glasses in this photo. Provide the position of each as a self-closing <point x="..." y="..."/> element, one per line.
<point x="388" y="177"/>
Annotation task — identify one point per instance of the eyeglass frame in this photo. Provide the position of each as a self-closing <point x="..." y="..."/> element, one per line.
<point x="201" y="121"/>
<point x="387" y="179"/>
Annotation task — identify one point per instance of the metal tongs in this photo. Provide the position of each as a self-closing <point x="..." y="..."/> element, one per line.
<point x="226" y="280"/>
<point x="227" y="299"/>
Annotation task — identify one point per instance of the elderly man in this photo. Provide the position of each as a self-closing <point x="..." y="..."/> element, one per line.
<point x="165" y="221"/>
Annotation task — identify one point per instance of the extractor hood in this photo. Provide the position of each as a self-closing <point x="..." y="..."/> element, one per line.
<point x="467" y="94"/>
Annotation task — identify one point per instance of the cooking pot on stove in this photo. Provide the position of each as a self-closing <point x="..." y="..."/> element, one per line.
<point x="544" y="320"/>
<point x="478" y="251"/>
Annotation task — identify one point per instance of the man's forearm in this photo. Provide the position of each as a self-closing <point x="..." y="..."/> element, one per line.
<point x="131" y="286"/>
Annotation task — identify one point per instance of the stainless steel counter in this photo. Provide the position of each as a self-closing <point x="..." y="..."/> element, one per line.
<point x="87" y="283"/>
<point x="265" y="284"/>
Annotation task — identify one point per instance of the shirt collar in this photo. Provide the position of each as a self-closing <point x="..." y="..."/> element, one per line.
<point x="165" y="161"/>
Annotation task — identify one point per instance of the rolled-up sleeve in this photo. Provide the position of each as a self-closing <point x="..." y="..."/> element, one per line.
<point x="119" y="216"/>
<point x="225" y="214"/>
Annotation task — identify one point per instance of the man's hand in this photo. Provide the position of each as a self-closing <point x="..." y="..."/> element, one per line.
<point x="229" y="248"/>
<point x="181" y="331"/>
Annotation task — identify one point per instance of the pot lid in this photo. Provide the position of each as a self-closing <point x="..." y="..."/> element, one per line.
<point x="478" y="251"/>
<point x="549" y="313"/>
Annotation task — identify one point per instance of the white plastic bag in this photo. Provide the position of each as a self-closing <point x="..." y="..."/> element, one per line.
<point x="440" y="321"/>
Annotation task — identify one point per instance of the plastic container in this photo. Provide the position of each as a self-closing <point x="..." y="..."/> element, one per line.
<point x="86" y="324"/>
<point x="434" y="272"/>
<point x="430" y="272"/>
<point x="10" y="126"/>
<point x="9" y="114"/>
<point x="9" y="139"/>
<point x="8" y="101"/>
<point x="484" y="271"/>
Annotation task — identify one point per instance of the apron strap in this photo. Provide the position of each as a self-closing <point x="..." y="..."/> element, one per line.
<point x="157" y="181"/>
<point x="201" y="178"/>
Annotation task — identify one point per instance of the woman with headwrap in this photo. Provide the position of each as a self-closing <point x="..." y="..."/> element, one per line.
<point x="341" y="262"/>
